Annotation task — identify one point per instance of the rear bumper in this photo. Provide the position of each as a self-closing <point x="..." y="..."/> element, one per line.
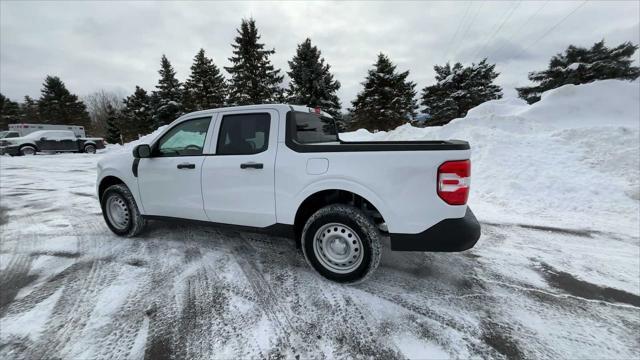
<point x="448" y="235"/>
<point x="11" y="150"/>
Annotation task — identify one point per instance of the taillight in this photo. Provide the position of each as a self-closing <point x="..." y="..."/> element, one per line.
<point x="453" y="181"/>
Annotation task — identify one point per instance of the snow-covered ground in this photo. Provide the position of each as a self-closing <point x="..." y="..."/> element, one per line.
<point x="555" y="274"/>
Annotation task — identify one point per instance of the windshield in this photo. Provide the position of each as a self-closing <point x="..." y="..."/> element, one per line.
<point x="8" y="134"/>
<point x="312" y="128"/>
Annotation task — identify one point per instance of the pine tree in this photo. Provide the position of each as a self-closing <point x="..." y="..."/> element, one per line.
<point x="459" y="89"/>
<point x="167" y="99"/>
<point x="253" y="78"/>
<point x="206" y="87"/>
<point x="113" y="125"/>
<point x="581" y="65"/>
<point x="311" y="82"/>
<point x="387" y="100"/>
<point x="30" y="114"/>
<point x="9" y="112"/>
<point x="136" y="118"/>
<point x="58" y="106"/>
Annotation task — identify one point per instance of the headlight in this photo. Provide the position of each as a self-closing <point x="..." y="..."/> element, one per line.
<point x="4" y="143"/>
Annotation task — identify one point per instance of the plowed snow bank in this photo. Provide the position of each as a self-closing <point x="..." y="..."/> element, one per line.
<point x="571" y="159"/>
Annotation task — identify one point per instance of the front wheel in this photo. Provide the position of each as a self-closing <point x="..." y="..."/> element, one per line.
<point x="342" y="243"/>
<point x="90" y="149"/>
<point x="121" y="212"/>
<point x="27" y="150"/>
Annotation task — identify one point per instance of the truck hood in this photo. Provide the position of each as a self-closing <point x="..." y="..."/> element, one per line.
<point x="18" y="140"/>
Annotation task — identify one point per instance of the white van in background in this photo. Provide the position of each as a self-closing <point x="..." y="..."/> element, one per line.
<point x="24" y="129"/>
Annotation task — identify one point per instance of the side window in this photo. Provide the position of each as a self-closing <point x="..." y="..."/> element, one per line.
<point x="243" y="134"/>
<point x="184" y="139"/>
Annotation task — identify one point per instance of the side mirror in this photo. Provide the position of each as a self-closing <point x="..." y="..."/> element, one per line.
<point x="43" y="138"/>
<point x="142" y="151"/>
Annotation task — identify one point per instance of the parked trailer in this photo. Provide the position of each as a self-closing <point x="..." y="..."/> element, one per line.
<point x="25" y="129"/>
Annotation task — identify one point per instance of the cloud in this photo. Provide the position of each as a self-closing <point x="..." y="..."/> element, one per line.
<point x="117" y="45"/>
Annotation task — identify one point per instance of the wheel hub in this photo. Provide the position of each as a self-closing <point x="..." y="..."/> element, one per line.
<point x="338" y="248"/>
<point x="117" y="212"/>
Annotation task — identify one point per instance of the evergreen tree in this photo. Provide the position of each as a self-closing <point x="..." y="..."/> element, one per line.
<point x="581" y="65"/>
<point x="387" y="100"/>
<point x="311" y="82"/>
<point x="30" y="114"/>
<point x="206" y="87"/>
<point x="58" y="106"/>
<point x="136" y="118"/>
<point x="459" y="89"/>
<point x="113" y="125"/>
<point x="9" y="112"/>
<point x="167" y="99"/>
<point x="253" y="78"/>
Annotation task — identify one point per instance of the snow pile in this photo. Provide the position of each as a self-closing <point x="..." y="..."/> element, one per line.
<point x="571" y="159"/>
<point x="128" y="147"/>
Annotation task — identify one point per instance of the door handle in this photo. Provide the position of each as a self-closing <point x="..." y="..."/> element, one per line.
<point x="251" y="165"/>
<point x="186" y="166"/>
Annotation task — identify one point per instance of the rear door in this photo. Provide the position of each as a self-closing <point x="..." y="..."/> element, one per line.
<point x="67" y="141"/>
<point x="238" y="181"/>
<point x="169" y="181"/>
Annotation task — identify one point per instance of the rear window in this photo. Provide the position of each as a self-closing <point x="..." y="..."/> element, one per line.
<point x="312" y="128"/>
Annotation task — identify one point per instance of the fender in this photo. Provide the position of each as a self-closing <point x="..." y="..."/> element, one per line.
<point x="29" y="144"/>
<point x="127" y="179"/>
<point x="339" y="184"/>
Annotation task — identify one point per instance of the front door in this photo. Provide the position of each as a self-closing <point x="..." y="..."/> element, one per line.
<point x="169" y="181"/>
<point x="238" y="181"/>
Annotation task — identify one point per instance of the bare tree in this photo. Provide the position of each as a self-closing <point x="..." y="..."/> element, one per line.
<point x="98" y="103"/>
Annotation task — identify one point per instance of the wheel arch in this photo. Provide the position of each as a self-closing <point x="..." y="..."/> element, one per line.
<point x="33" y="145"/>
<point x="107" y="181"/>
<point x="336" y="195"/>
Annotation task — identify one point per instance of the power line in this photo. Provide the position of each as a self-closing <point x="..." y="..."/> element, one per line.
<point x="504" y="21"/>
<point x="466" y="31"/>
<point x="523" y="26"/>
<point x="446" y="54"/>
<point x="549" y="31"/>
<point x="555" y="26"/>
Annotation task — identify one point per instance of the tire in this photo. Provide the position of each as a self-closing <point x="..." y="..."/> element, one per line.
<point x="90" y="149"/>
<point x="121" y="212"/>
<point x="342" y="243"/>
<point x="28" y="150"/>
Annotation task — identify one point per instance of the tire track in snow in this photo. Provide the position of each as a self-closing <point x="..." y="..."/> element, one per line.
<point x="285" y="331"/>
<point x="13" y="278"/>
<point x="72" y="312"/>
<point x="208" y="309"/>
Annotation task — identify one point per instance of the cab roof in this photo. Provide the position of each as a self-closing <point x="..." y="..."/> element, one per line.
<point x="285" y="107"/>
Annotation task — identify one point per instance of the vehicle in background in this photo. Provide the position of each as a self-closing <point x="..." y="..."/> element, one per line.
<point x="49" y="141"/>
<point x="25" y="129"/>
<point x="279" y="167"/>
<point x="9" y="134"/>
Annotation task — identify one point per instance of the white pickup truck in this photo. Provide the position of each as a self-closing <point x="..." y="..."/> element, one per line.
<point x="283" y="168"/>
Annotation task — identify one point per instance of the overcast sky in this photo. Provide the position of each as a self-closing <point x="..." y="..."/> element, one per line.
<point x="117" y="45"/>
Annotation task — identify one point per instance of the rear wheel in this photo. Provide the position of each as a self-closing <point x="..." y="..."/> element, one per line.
<point x="27" y="150"/>
<point x="90" y="149"/>
<point x="121" y="212"/>
<point x="341" y="243"/>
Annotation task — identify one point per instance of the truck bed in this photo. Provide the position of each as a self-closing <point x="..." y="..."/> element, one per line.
<point x="347" y="146"/>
